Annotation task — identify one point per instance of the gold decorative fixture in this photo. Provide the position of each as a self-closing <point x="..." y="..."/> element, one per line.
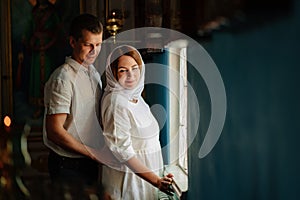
<point x="114" y="22"/>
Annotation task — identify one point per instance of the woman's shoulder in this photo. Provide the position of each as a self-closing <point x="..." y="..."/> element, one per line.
<point x="115" y="100"/>
<point x="115" y="105"/>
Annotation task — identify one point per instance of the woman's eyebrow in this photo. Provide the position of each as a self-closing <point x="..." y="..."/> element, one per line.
<point x="126" y="67"/>
<point x="134" y="65"/>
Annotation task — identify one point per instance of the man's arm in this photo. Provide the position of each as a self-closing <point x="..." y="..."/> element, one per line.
<point x="59" y="135"/>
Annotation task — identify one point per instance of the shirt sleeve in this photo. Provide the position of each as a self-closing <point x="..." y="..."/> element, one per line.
<point x="58" y="97"/>
<point x="117" y="128"/>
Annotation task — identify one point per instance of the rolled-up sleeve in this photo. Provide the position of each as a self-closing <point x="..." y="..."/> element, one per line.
<point x="117" y="127"/>
<point x="58" y="96"/>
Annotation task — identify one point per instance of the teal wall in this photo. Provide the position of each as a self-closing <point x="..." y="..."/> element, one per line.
<point x="156" y="93"/>
<point x="257" y="155"/>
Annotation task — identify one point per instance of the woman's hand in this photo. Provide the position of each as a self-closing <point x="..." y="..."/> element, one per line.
<point x="164" y="184"/>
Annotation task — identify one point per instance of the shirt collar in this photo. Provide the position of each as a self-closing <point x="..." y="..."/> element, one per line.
<point x="75" y="65"/>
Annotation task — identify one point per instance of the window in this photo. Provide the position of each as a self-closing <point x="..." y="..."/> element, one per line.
<point x="178" y="103"/>
<point x="166" y="74"/>
<point x="178" y="113"/>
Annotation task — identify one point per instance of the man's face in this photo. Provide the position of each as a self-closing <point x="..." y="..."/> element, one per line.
<point x="87" y="48"/>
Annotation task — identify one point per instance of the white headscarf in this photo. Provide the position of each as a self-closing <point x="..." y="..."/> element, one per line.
<point x="113" y="86"/>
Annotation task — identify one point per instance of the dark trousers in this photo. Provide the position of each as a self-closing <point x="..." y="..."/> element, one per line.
<point x="73" y="175"/>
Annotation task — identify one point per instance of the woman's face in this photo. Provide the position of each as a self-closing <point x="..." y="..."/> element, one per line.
<point x="128" y="72"/>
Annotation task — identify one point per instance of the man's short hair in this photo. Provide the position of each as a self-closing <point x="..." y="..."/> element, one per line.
<point x="85" y="22"/>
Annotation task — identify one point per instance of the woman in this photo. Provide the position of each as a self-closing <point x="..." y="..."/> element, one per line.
<point x="130" y="130"/>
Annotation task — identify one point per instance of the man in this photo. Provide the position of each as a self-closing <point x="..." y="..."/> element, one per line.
<point x="72" y="97"/>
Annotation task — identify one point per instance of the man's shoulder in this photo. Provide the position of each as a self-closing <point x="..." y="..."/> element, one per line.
<point x="63" y="72"/>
